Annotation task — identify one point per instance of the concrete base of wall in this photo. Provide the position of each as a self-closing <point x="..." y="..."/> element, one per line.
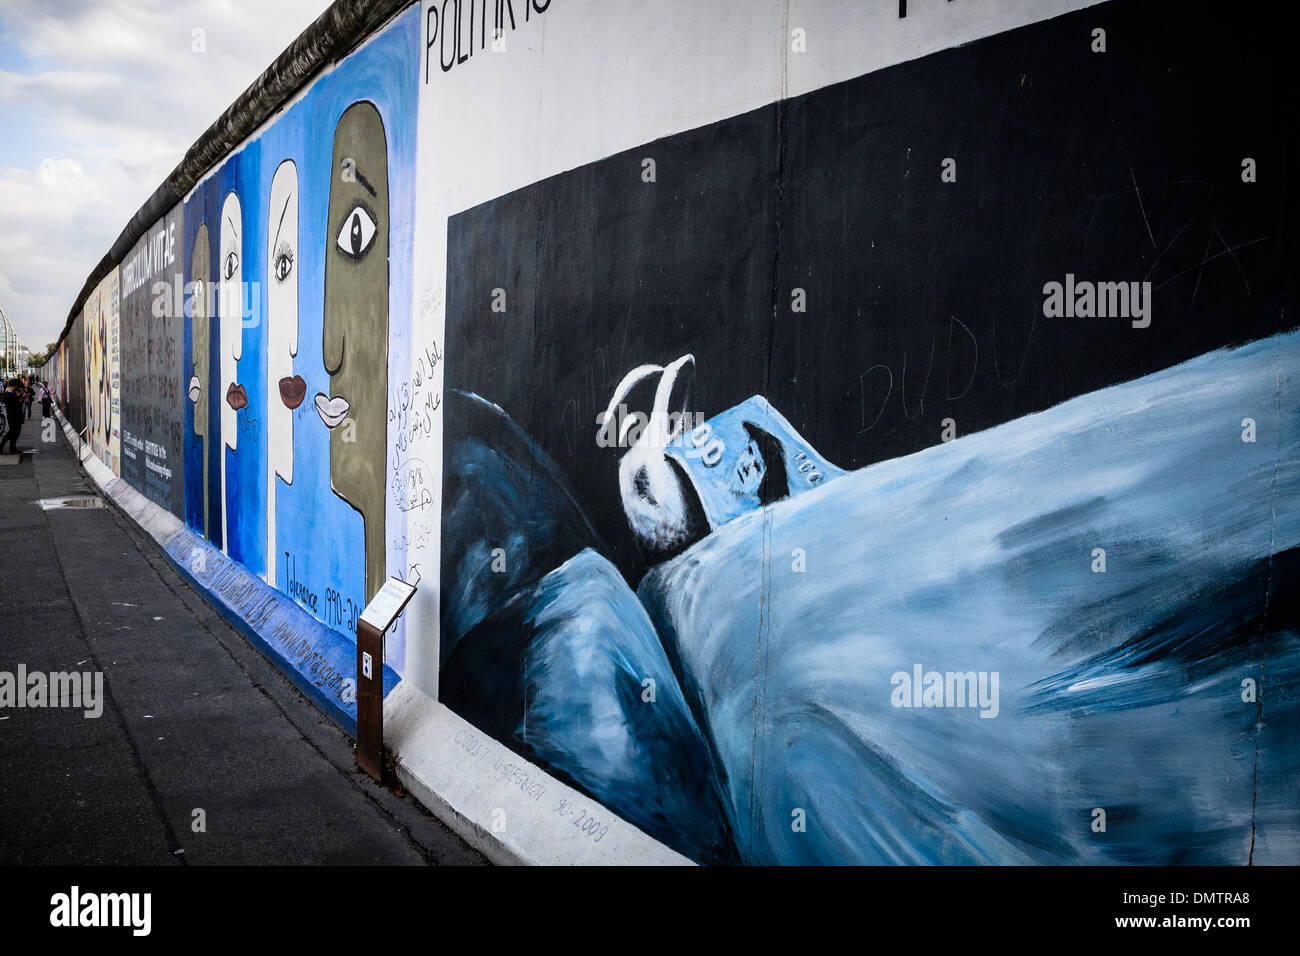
<point x="499" y="803"/>
<point x="502" y="805"/>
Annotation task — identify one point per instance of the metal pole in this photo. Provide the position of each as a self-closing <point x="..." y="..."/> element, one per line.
<point x="9" y="334"/>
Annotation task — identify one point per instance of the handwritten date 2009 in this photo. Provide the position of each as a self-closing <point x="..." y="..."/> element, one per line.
<point x="582" y="820"/>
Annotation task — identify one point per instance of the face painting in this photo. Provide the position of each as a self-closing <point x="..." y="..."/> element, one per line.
<point x="199" y="344"/>
<point x="356" y="324"/>
<point x="285" y="391"/>
<point x="232" y="337"/>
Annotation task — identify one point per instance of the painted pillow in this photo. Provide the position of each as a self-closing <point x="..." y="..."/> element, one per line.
<point x="572" y="676"/>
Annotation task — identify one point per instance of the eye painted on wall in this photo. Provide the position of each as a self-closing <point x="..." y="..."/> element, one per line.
<point x="230" y="264"/>
<point x="358" y="232"/>
<point x="283" y="261"/>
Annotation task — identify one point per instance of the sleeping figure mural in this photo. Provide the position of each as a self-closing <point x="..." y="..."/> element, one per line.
<point x="355" y="341"/>
<point x="922" y="573"/>
<point x="823" y="597"/>
<point x="679" y="483"/>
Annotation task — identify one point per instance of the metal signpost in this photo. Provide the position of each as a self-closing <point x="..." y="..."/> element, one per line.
<point x="374" y="622"/>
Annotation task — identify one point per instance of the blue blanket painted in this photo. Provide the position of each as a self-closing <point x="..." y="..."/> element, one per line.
<point x="1122" y="565"/>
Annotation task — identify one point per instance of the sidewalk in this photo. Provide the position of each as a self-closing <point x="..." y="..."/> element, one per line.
<point x="194" y="718"/>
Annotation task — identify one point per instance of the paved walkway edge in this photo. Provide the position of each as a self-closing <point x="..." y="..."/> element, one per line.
<point x="320" y="661"/>
<point x="505" y="807"/>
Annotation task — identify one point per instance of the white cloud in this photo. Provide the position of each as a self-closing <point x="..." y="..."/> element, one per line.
<point x="112" y="97"/>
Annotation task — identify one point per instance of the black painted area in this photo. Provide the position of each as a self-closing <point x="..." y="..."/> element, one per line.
<point x="924" y="297"/>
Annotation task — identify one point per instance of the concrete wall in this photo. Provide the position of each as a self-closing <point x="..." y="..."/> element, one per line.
<point x="431" y="319"/>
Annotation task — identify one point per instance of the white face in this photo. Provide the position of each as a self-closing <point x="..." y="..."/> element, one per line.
<point x="231" y="265"/>
<point x="231" y="300"/>
<point x="284" y="390"/>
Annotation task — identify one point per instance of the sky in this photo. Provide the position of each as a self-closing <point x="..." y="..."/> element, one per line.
<point x="99" y="100"/>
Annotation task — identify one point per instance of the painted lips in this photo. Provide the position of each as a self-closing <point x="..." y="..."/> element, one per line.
<point x="292" y="391"/>
<point x="332" y="411"/>
<point x="195" y="389"/>
<point x="236" y="397"/>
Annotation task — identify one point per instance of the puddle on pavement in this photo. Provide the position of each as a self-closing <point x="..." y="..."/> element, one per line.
<point x="71" y="501"/>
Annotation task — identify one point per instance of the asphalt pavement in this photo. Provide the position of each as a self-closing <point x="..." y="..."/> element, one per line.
<point x="204" y="753"/>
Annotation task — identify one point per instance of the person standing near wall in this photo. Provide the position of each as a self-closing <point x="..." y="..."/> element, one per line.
<point x="46" y="399"/>
<point x="13" y="404"/>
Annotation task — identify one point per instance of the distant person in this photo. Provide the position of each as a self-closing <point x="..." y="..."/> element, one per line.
<point x="47" y="399"/>
<point x="28" y="394"/>
<point x="13" y="403"/>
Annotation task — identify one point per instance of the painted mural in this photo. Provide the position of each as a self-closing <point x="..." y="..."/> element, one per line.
<point x="872" y="474"/>
<point x="62" y="375"/>
<point x="102" y="372"/>
<point x="355" y="344"/>
<point x="199" y="330"/>
<point x="152" y="403"/>
<point x="281" y="342"/>
<point x="74" y="372"/>
<point x="811" y="525"/>
<point x="292" y="291"/>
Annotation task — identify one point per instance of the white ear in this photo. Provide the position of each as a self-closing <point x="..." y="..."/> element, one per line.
<point x="658" y="433"/>
<point x="630" y="380"/>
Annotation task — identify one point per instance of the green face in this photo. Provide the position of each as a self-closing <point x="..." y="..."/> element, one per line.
<point x="356" y="324"/>
<point x="197" y="387"/>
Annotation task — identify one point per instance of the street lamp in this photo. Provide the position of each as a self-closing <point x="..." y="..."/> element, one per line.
<point x="8" y="345"/>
